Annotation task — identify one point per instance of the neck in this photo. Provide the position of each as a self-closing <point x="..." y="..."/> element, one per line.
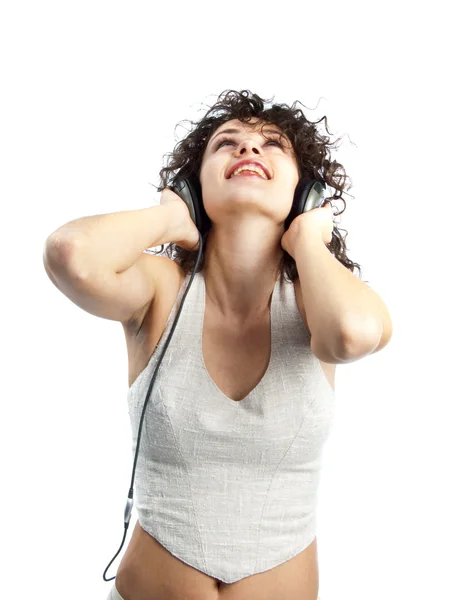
<point x="240" y="272"/>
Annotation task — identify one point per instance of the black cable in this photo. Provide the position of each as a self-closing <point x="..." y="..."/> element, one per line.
<point x="130" y="502"/>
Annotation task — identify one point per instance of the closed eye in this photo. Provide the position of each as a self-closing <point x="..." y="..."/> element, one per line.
<point x="231" y="141"/>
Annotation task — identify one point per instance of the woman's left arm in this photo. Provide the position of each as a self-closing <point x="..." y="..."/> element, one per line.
<point x="347" y="319"/>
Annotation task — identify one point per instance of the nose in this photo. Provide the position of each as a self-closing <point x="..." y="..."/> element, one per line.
<point x="248" y="146"/>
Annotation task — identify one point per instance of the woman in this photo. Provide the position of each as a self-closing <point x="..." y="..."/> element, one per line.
<point x="231" y="444"/>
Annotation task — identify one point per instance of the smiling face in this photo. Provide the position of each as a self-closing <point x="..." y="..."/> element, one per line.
<point x="224" y="192"/>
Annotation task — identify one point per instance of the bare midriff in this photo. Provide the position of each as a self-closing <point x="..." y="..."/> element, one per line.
<point x="149" y="572"/>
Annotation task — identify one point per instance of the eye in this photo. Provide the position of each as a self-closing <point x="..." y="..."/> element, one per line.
<point x="231" y="141"/>
<point x="224" y="141"/>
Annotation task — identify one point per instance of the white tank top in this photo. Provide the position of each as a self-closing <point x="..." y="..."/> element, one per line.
<point x="230" y="487"/>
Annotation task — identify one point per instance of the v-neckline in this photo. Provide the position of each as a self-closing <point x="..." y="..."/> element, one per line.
<point x="272" y="349"/>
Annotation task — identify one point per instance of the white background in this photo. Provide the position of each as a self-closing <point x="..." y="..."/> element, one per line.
<point x="91" y="94"/>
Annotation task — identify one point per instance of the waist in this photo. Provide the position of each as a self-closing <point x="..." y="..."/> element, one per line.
<point x="150" y="571"/>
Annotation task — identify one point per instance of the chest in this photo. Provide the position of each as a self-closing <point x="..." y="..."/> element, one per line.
<point x="236" y="359"/>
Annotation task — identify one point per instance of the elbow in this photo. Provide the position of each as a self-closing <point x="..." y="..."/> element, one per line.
<point x="346" y="347"/>
<point x="61" y="253"/>
<point x="358" y="344"/>
<point x="333" y="353"/>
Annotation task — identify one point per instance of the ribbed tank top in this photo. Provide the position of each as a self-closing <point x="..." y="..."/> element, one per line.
<point x="230" y="487"/>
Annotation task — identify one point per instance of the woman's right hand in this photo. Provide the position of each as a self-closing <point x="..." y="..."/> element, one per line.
<point x="188" y="232"/>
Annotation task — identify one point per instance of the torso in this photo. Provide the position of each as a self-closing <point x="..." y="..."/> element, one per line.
<point x="147" y="570"/>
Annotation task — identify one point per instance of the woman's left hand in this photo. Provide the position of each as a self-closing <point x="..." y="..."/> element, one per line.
<point x="318" y="221"/>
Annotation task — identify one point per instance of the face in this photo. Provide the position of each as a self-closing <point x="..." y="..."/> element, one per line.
<point x="224" y="193"/>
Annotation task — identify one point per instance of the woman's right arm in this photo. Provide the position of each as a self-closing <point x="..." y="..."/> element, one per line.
<point x="99" y="263"/>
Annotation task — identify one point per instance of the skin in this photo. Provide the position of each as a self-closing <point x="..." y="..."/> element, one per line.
<point x="247" y="213"/>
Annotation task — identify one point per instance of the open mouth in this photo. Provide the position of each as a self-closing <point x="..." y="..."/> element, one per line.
<point x="250" y="171"/>
<point x="251" y="168"/>
<point x="248" y="174"/>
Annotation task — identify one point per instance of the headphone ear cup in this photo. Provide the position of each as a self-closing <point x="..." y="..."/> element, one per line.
<point x="190" y="190"/>
<point x="309" y="194"/>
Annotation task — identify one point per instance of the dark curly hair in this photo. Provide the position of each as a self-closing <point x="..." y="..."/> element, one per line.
<point x="311" y="148"/>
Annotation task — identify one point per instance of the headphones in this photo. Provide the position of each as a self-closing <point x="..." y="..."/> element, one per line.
<point x="308" y="194"/>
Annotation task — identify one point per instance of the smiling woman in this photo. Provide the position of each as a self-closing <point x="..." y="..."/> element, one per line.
<point x="227" y="505"/>
<point x="231" y="392"/>
<point x="281" y="127"/>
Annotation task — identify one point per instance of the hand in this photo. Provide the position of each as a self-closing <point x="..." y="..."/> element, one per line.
<point x="318" y="221"/>
<point x="188" y="234"/>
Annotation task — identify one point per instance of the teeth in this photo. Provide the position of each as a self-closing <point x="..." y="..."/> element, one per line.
<point x="255" y="168"/>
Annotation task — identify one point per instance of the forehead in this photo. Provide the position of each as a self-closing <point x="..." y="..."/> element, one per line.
<point x="254" y="124"/>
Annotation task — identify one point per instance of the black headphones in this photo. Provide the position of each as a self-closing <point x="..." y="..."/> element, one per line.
<point x="308" y="194"/>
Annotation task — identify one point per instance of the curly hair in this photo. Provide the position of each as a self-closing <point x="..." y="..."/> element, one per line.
<point x="311" y="148"/>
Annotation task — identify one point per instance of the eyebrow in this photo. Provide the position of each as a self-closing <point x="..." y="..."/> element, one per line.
<point x="234" y="130"/>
